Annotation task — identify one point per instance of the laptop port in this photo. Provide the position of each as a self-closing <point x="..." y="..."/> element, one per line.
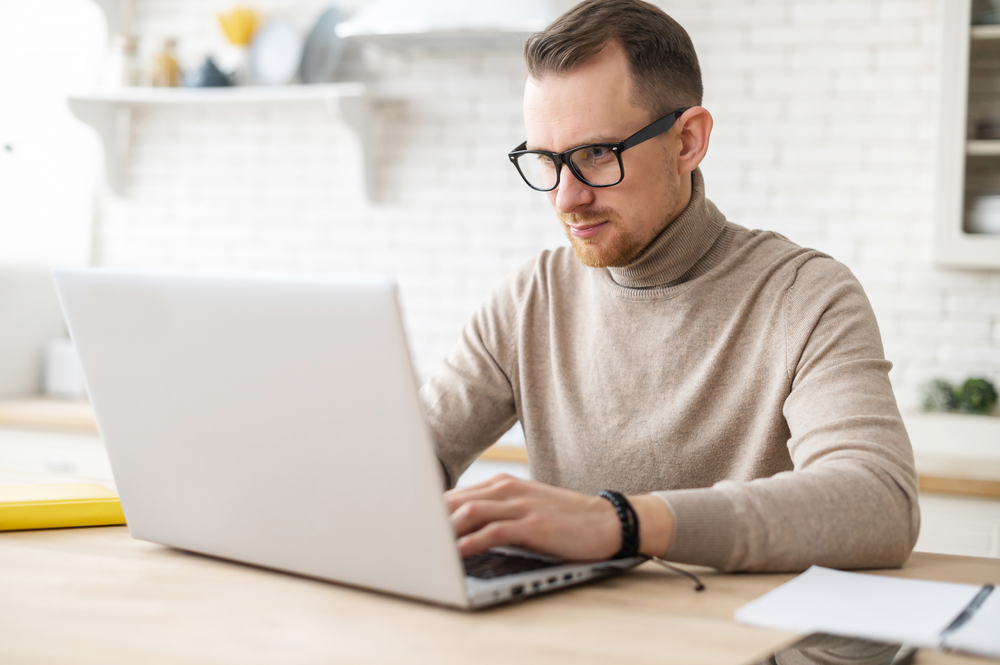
<point x="518" y="590"/>
<point x="552" y="580"/>
<point x="568" y="576"/>
<point x="536" y="585"/>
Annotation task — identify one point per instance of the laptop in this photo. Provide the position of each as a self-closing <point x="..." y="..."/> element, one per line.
<point x="274" y="420"/>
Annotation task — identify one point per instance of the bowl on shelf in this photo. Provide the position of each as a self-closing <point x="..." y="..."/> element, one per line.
<point x="985" y="215"/>
<point x="275" y="54"/>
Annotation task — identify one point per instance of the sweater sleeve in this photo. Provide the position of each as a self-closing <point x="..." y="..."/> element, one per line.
<point x="469" y="400"/>
<point x="851" y="500"/>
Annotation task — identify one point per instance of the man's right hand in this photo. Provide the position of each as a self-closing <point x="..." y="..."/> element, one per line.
<point x="569" y="525"/>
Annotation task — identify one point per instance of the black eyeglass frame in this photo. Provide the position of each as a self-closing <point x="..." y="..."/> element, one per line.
<point x="652" y="130"/>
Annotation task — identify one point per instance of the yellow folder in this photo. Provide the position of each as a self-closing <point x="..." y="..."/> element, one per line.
<point x="57" y="506"/>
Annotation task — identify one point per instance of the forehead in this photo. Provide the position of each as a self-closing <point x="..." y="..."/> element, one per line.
<point x="590" y="104"/>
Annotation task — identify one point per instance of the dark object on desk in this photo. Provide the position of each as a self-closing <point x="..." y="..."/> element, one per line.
<point x="823" y="649"/>
<point x="207" y="76"/>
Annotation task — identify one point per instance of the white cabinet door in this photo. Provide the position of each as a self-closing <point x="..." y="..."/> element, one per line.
<point x="43" y="452"/>
<point x="959" y="525"/>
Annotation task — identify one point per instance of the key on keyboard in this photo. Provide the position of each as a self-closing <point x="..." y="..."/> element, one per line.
<point x="487" y="565"/>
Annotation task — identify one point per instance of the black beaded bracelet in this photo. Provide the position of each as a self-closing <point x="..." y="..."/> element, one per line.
<point x="630" y="523"/>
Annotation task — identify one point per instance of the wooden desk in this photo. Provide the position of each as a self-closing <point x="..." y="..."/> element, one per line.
<point x="96" y="596"/>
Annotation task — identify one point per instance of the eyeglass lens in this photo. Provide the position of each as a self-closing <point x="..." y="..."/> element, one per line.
<point x="595" y="165"/>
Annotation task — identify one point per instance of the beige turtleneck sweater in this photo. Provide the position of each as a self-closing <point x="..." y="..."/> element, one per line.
<point x="735" y="374"/>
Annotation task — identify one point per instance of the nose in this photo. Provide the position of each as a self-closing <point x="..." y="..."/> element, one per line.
<point x="571" y="194"/>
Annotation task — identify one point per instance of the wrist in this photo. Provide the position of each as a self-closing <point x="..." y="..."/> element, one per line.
<point x="628" y="519"/>
<point x="656" y="524"/>
<point x="610" y="530"/>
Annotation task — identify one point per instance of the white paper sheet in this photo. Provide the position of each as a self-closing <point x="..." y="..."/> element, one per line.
<point x="981" y="634"/>
<point x="875" y="607"/>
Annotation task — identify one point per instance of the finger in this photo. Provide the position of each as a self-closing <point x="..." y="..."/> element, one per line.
<point x="492" y="535"/>
<point x="481" y="484"/>
<point x="497" y="488"/>
<point x="474" y="515"/>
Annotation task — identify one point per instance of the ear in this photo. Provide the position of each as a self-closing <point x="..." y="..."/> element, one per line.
<point x="694" y="129"/>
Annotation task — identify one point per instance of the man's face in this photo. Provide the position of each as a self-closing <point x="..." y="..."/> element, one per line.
<point x="606" y="226"/>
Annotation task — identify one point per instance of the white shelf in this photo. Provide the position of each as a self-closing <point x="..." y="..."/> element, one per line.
<point x="225" y="95"/>
<point x="451" y="43"/>
<point x="110" y="112"/>
<point x="981" y="148"/>
<point x="984" y="32"/>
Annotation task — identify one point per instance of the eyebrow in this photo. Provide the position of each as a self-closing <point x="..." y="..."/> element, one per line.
<point x="589" y="141"/>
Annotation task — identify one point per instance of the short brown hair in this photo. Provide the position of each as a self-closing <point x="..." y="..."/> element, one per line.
<point x="661" y="57"/>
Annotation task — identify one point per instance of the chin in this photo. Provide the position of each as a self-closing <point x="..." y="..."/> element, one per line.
<point x="615" y="251"/>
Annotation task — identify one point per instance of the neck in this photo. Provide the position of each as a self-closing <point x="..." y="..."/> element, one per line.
<point x="687" y="238"/>
<point x="683" y="197"/>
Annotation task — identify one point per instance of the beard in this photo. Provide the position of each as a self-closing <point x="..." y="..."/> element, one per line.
<point x="614" y="248"/>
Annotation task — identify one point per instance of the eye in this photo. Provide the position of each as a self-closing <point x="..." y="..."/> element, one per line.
<point x="545" y="162"/>
<point x="593" y="155"/>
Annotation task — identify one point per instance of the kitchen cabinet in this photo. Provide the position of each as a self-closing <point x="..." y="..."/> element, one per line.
<point x="959" y="525"/>
<point x="968" y="163"/>
<point x="41" y="452"/>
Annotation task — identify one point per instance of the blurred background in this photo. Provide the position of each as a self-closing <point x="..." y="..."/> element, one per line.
<point x="372" y="136"/>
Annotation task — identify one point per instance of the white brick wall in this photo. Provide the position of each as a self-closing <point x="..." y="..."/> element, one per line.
<point x="825" y="131"/>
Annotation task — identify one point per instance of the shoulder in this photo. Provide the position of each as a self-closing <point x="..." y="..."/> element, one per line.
<point x="769" y="248"/>
<point x="541" y="275"/>
<point x="809" y="281"/>
<point x="803" y="270"/>
<point x="820" y="281"/>
<point x="828" y="318"/>
<point x="768" y="263"/>
<point x="533" y="279"/>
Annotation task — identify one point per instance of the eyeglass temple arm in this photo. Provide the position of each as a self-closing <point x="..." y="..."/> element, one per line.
<point x="659" y="127"/>
<point x="522" y="146"/>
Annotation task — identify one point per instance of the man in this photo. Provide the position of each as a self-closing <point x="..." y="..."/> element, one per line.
<point x="729" y="382"/>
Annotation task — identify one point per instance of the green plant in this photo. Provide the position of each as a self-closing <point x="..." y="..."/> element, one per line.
<point x="939" y="396"/>
<point x="976" y="396"/>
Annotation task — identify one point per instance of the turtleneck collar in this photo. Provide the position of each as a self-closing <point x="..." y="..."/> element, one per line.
<point x="676" y="250"/>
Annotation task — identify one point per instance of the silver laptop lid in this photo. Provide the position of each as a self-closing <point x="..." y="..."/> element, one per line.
<point x="270" y="419"/>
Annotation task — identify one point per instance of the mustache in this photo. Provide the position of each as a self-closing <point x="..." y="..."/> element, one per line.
<point x="587" y="216"/>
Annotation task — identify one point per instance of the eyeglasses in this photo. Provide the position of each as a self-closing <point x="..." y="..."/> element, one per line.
<point x="595" y="164"/>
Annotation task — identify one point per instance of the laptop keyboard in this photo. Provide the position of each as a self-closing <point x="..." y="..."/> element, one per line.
<point x="487" y="565"/>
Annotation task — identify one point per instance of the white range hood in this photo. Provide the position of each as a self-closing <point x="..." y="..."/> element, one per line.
<point x="449" y="26"/>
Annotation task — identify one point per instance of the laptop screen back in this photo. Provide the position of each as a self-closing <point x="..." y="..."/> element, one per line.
<point x="270" y="419"/>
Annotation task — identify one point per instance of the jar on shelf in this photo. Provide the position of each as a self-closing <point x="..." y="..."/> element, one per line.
<point x="122" y="69"/>
<point x="166" y="72"/>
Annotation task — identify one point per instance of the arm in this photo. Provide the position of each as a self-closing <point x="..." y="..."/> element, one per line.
<point x="851" y="501"/>
<point x="469" y="399"/>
